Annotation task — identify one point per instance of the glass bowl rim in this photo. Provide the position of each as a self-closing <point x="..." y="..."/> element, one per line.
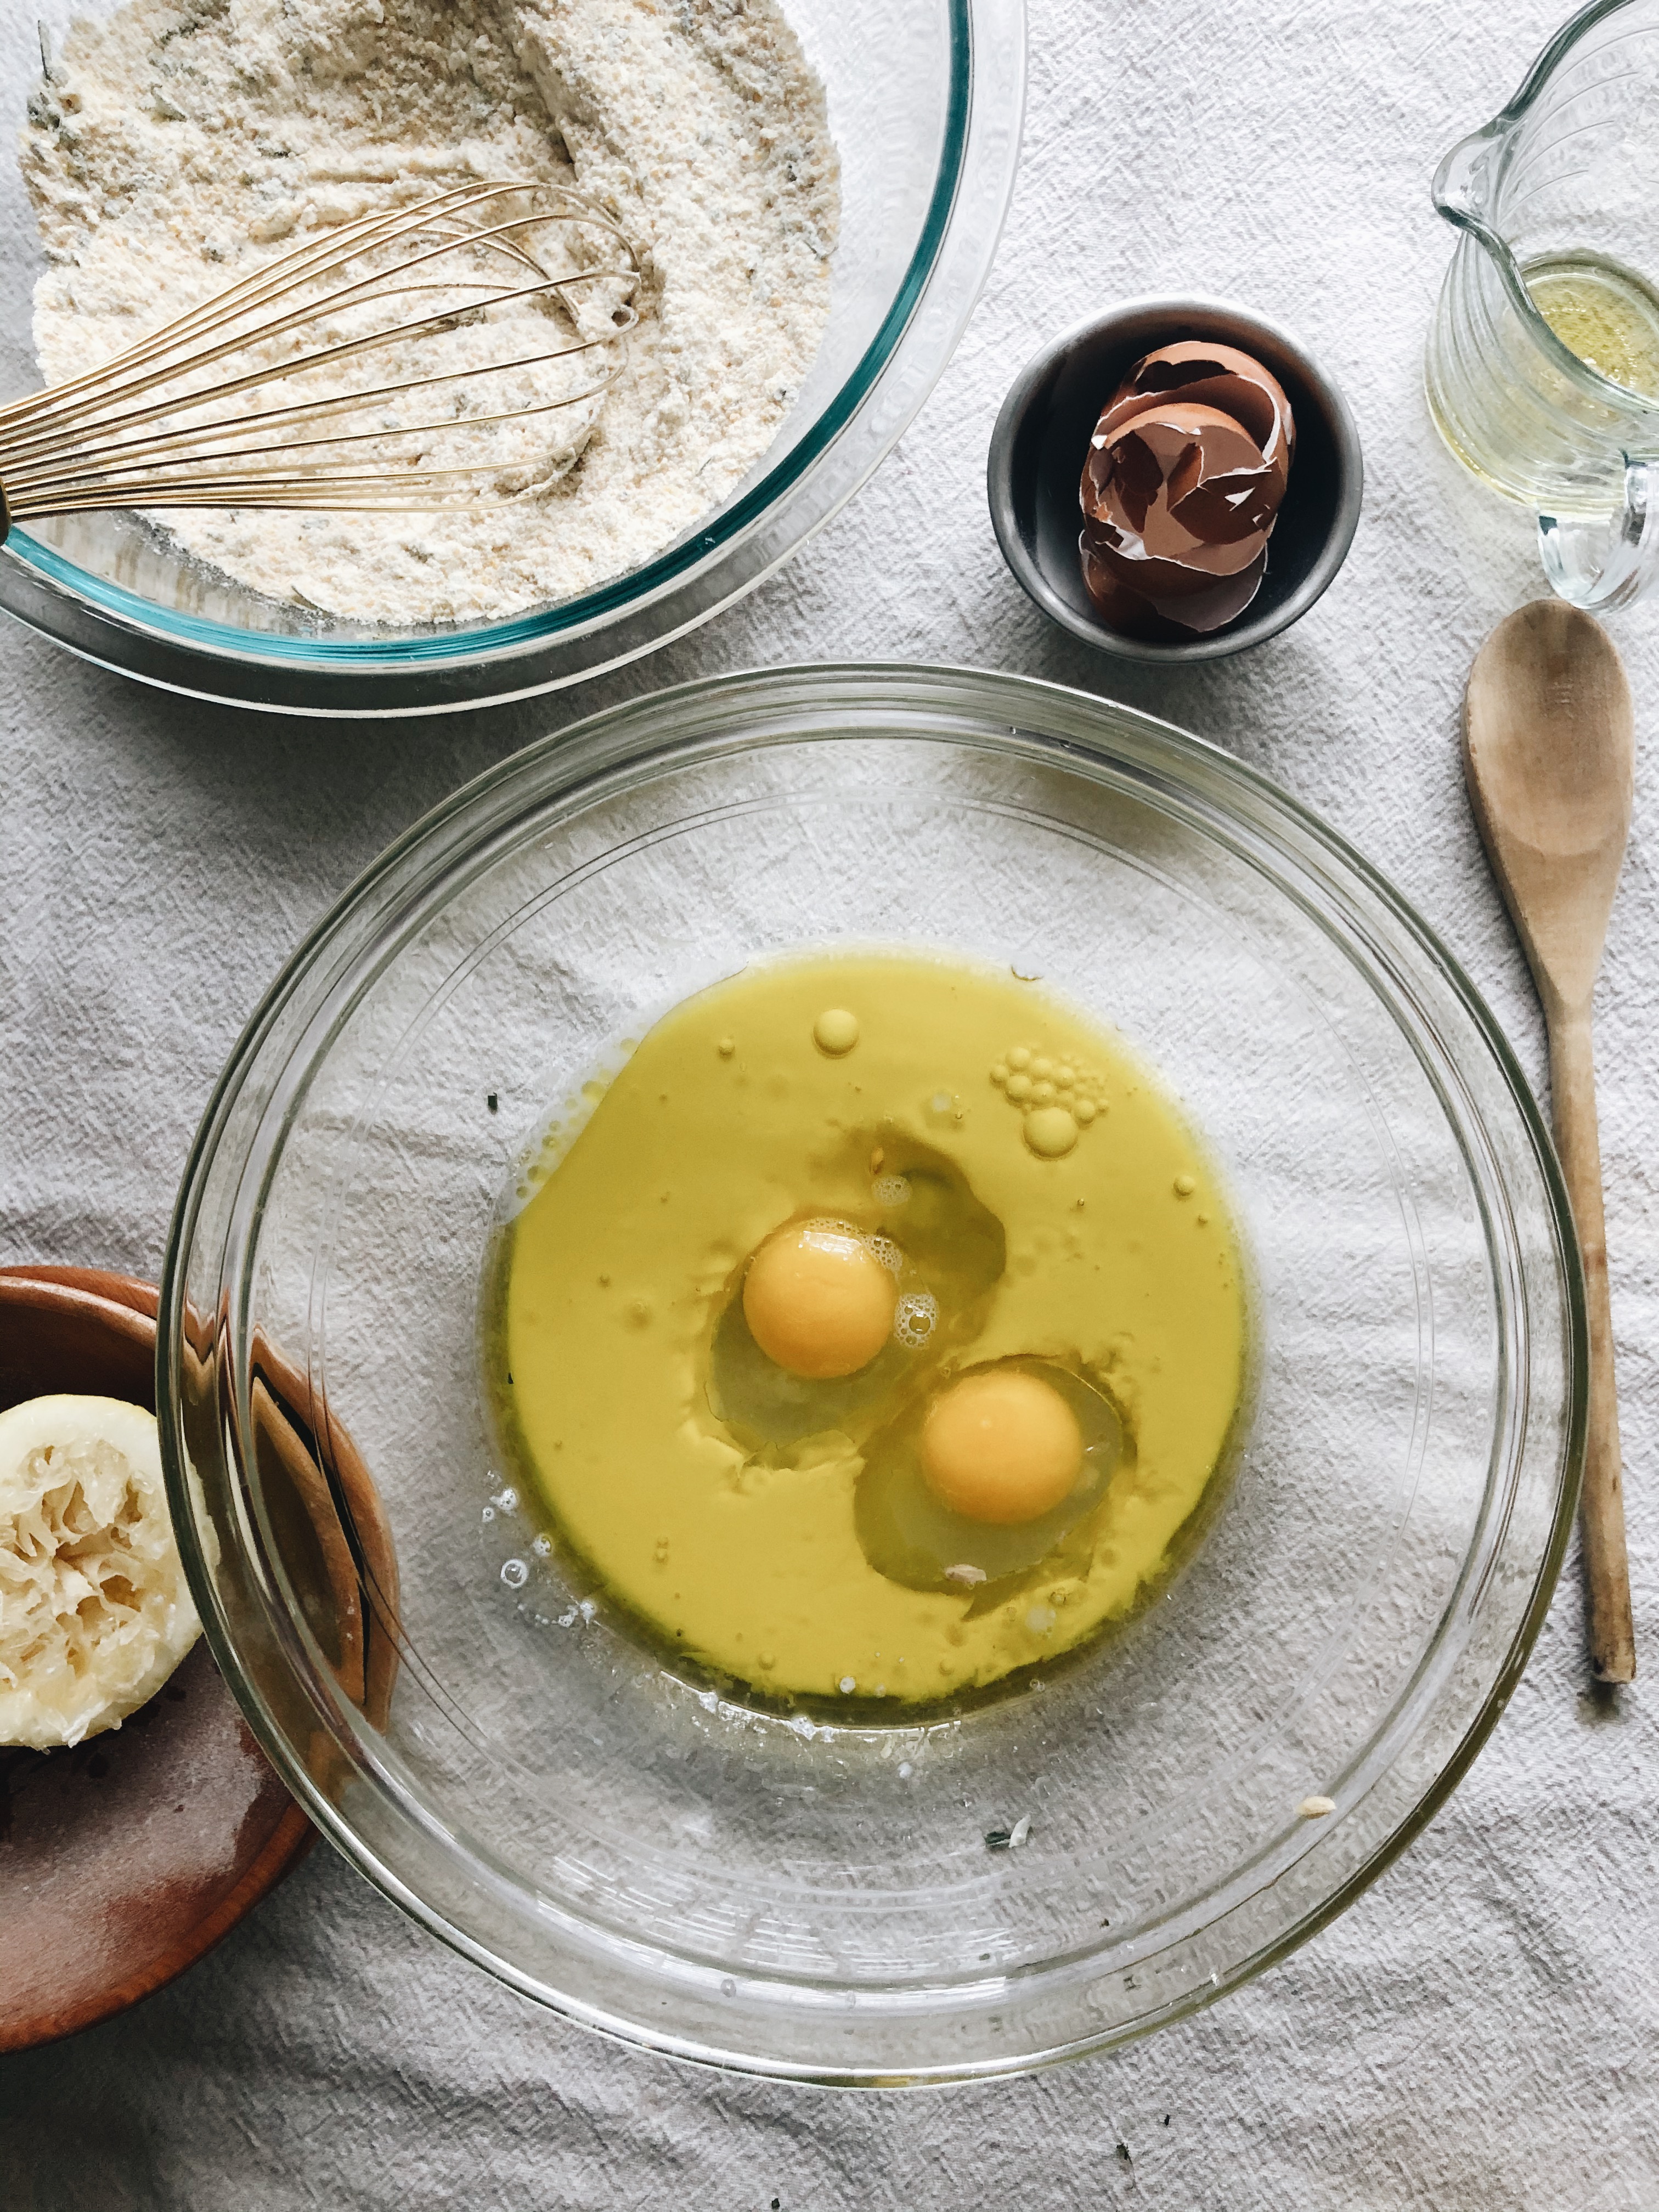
<point x="582" y="761"/>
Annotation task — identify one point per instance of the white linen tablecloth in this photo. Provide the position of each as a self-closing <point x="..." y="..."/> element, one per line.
<point x="1477" y="2034"/>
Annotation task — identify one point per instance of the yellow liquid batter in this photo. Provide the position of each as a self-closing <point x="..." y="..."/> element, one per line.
<point x="1039" y="1193"/>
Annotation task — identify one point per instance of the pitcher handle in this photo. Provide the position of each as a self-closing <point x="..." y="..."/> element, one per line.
<point x="1602" y="562"/>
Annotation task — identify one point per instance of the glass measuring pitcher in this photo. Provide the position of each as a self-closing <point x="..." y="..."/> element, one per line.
<point x="1543" y="360"/>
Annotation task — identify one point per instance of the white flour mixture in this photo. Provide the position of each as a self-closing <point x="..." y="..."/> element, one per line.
<point x="176" y="147"/>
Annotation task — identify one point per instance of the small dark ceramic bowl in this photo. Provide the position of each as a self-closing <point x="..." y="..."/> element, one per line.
<point x="1042" y="439"/>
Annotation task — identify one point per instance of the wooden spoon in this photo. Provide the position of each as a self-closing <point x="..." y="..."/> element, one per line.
<point x="1549" y="754"/>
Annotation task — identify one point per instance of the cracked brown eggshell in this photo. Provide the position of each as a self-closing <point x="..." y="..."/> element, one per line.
<point x="1202" y="605"/>
<point x="1182" y="486"/>
<point x="1207" y="375"/>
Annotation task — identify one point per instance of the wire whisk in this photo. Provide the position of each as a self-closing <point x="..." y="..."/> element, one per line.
<point x="451" y="353"/>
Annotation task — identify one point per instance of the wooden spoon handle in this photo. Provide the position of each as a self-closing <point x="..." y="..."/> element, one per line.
<point x="1573" y="1087"/>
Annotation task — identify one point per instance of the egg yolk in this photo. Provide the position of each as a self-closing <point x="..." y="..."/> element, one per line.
<point x="818" y="1302"/>
<point x="1001" y="1447"/>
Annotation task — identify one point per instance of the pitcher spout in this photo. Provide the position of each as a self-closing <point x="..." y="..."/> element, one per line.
<point x="1465" y="183"/>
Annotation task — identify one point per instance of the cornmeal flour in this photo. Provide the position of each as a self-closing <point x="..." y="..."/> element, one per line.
<point x="174" y="147"/>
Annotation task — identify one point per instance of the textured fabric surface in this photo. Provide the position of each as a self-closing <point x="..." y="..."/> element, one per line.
<point x="1476" y="2034"/>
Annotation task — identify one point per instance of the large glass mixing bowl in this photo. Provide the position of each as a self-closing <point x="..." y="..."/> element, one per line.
<point x="925" y="104"/>
<point x="776" y="1893"/>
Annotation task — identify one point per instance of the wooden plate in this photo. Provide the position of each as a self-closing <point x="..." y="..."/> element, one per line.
<point x="123" y="1859"/>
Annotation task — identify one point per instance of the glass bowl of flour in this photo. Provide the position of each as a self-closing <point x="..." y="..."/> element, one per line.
<point x="813" y="228"/>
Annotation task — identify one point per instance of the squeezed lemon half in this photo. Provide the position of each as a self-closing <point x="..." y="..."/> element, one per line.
<point x="95" y="1612"/>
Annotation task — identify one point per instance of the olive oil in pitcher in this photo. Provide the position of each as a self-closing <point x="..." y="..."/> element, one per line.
<point x="1602" y="312"/>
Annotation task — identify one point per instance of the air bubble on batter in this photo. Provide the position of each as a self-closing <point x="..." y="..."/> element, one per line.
<point x="891" y="1190"/>
<point x="881" y="1248"/>
<point x="884" y="1249"/>
<point x="916" y="1319"/>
